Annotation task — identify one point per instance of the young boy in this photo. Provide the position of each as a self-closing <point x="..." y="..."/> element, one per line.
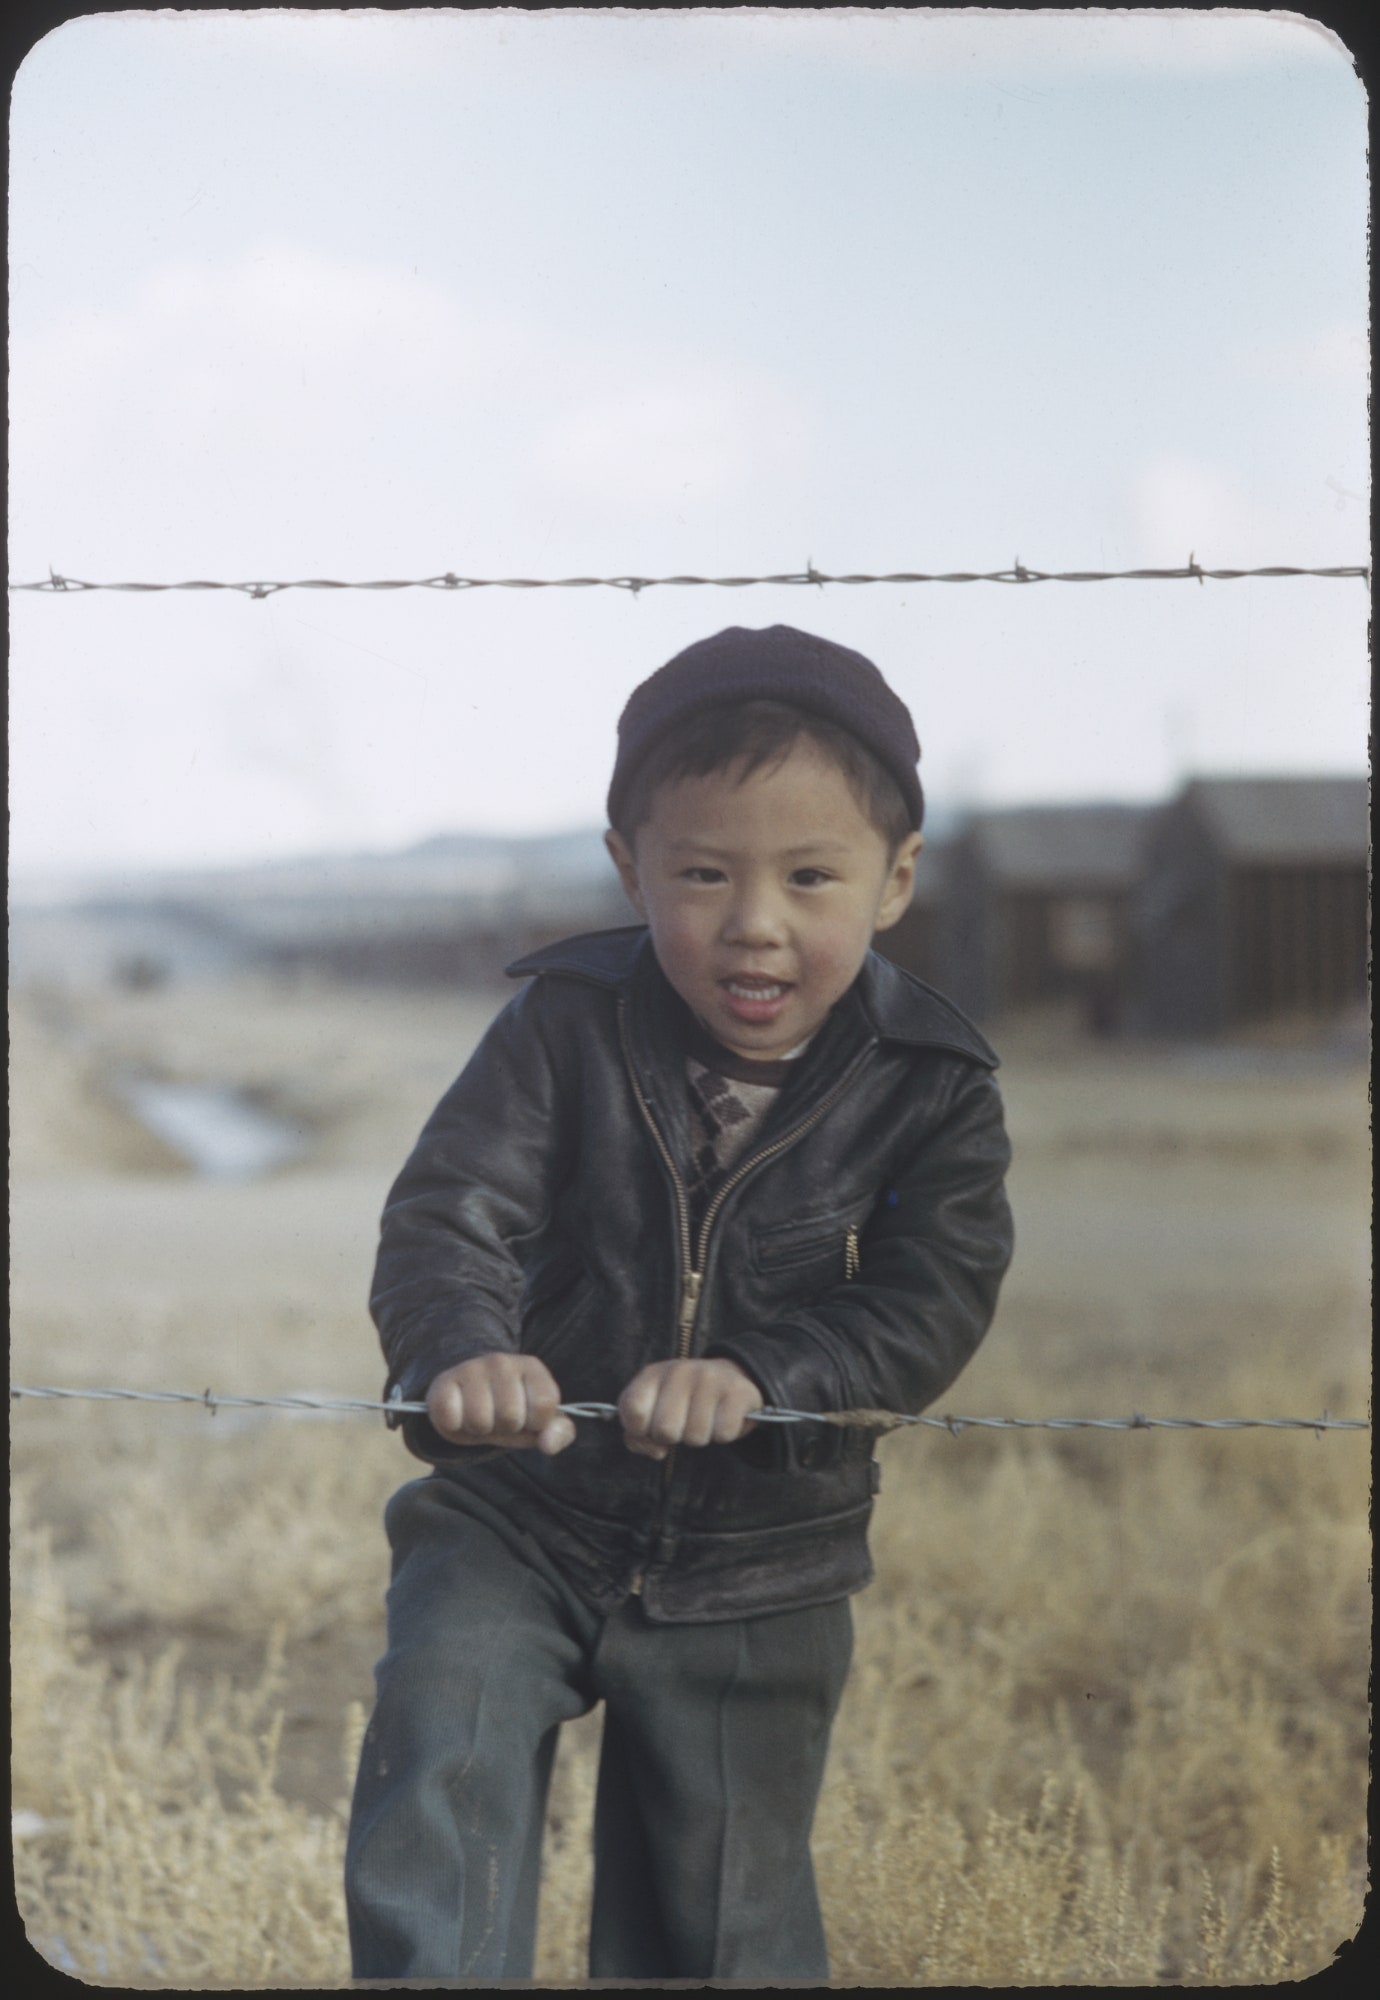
<point x="728" y="1161"/>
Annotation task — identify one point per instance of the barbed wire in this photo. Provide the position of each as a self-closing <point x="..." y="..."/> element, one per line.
<point x="57" y="585"/>
<point x="852" y="1419"/>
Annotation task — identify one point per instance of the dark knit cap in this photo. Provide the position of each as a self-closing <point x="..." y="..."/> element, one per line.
<point x="777" y="663"/>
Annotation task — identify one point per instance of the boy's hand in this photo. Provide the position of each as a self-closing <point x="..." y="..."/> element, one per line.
<point x="687" y="1402"/>
<point x="500" y="1399"/>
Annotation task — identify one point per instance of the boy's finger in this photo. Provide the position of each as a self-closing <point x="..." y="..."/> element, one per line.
<point x="735" y="1411"/>
<point x="636" y="1404"/>
<point x="699" y="1422"/>
<point x="446" y="1407"/>
<point x="508" y="1404"/>
<point x="667" y="1422"/>
<point x="556" y="1435"/>
<point x="538" y="1377"/>
<point x="540" y="1397"/>
<point x="635" y="1410"/>
<point x="645" y="1447"/>
<point x="479" y="1409"/>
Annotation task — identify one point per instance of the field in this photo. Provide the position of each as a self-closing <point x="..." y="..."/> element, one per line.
<point x="1108" y="1718"/>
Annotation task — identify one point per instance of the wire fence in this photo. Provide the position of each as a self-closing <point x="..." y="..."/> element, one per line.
<point x="881" y="1420"/>
<point x="57" y="585"/>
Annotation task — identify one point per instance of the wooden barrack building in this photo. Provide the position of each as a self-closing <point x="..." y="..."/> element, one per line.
<point x="1037" y="909"/>
<point x="1252" y="904"/>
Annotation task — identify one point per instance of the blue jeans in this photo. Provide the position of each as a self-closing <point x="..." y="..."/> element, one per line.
<point x="713" y="1753"/>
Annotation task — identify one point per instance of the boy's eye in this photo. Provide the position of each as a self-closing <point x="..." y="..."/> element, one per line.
<point x="702" y="874"/>
<point x="810" y="878"/>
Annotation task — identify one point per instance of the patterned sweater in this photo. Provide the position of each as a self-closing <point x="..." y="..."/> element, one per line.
<point x="730" y="1096"/>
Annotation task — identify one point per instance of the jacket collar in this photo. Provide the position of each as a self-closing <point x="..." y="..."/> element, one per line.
<point x="896" y="1006"/>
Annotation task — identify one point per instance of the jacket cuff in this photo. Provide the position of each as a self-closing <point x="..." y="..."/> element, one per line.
<point x="798" y="1373"/>
<point x="419" y="1434"/>
<point x="798" y="1447"/>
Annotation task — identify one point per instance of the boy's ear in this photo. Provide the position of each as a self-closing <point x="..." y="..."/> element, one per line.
<point x="901" y="881"/>
<point x="626" y="864"/>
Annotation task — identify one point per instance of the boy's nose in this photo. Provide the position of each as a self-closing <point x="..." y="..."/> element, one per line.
<point x="755" y="918"/>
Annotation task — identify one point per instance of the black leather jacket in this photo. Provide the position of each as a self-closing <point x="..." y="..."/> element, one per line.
<point x="851" y="1260"/>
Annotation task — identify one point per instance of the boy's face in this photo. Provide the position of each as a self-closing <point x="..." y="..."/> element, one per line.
<point x="762" y="894"/>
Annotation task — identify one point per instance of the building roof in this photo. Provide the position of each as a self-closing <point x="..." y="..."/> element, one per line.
<point x="1061" y="847"/>
<point x="1285" y="819"/>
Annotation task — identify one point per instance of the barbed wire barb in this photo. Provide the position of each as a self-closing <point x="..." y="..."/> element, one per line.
<point x="852" y="1419"/>
<point x="57" y="584"/>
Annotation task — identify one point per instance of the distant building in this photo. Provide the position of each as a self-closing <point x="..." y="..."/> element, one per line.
<point x="131" y="942"/>
<point x="1239" y="901"/>
<point x="431" y="944"/>
<point x="1037" y="909"/>
<point x="1253" y="903"/>
<point x="453" y="910"/>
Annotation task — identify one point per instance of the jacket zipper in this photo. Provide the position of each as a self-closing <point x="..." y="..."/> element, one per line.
<point x="692" y="1276"/>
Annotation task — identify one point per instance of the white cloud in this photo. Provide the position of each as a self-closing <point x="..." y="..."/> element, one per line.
<point x="683" y="440"/>
<point x="278" y="317"/>
<point x="245" y="401"/>
<point x="261" y="389"/>
<point x="1339" y="353"/>
<point x="1183" y="506"/>
<point x="289" y="400"/>
<point x="1244" y="518"/>
<point x="273" y="309"/>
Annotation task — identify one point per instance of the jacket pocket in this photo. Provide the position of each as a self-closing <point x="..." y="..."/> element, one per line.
<point x="813" y="1249"/>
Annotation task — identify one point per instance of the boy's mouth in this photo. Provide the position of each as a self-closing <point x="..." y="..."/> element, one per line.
<point x="754" y="997"/>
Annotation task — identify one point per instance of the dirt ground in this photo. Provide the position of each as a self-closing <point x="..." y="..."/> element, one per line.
<point x="1172" y="1204"/>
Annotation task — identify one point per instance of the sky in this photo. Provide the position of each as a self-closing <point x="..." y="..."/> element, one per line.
<point x="369" y="295"/>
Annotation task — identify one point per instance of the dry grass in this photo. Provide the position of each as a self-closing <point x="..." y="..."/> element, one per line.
<point x="158" y="1850"/>
<point x="1107" y="1721"/>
